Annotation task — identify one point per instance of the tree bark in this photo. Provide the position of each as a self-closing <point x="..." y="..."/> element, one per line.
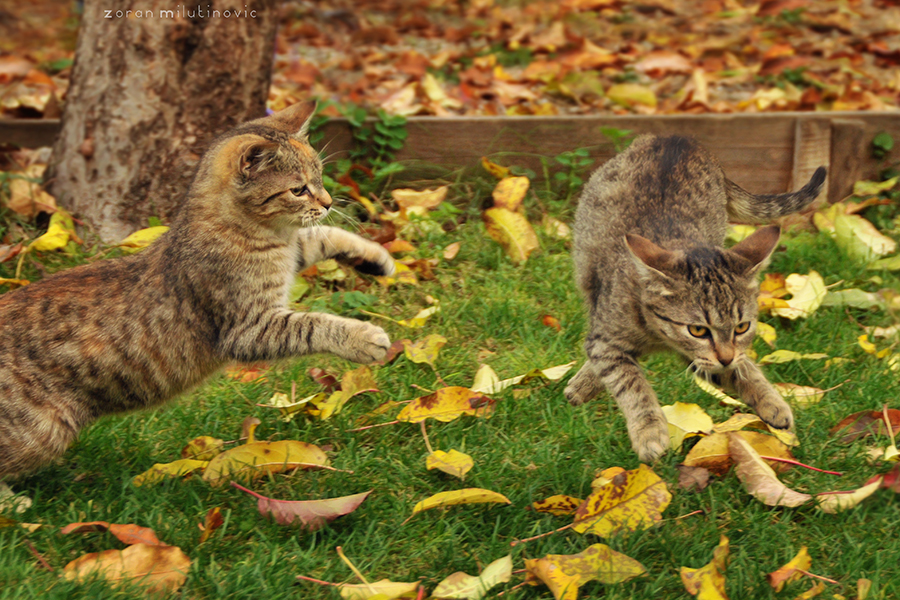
<point x="154" y="81"/>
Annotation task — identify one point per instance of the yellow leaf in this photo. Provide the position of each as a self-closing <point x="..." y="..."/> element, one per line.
<point x="288" y="409"/>
<point x="632" y="501"/>
<point x="737" y="233"/>
<point x="13" y="283"/>
<point x="814" y="591"/>
<point x="512" y="231"/>
<point x="451" y="250"/>
<point x="161" y="569"/>
<point x="565" y="573"/>
<point x="712" y="452"/>
<point x="330" y="270"/>
<point x="807" y="291"/>
<point x="384" y="589"/>
<point x="162" y="471"/>
<point x="860" y="239"/>
<point x="685" y="419"/>
<point x="453" y="463"/>
<point x="57" y="235"/>
<point x="559" y="505"/>
<point x="487" y="381"/>
<point x="204" y="447"/>
<point x="631" y="95"/>
<point x="835" y="503"/>
<point x="708" y="582"/>
<point x="257" y="459"/>
<point x="421" y="317"/>
<point x="767" y="333"/>
<point x="428" y="199"/>
<point x="494" y="169"/>
<point x="447" y="404"/>
<point x="464" y="496"/>
<point x="873" y="188"/>
<point x="141" y="238"/>
<point x="790" y="571"/>
<point x="402" y="274"/>
<point x="605" y="476"/>
<point x="424" y="350"/>
<point x="510" y="192"/>
<point x="802" y="395"/>
<point x="353" y="382"/>
<point x="783" y="356"/>
<point x="870" y="348"/>
<point x="468" y="587"/>
<point x="716" y="393"/>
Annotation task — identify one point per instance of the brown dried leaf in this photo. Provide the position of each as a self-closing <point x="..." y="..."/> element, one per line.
<point x="310" y="514"/>
<point x="162" y="569"/>
<point x="758" y="478"/>
<point x="128" y="534"/>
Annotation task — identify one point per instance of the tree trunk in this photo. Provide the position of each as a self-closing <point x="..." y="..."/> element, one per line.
<point x="153" y="82"/>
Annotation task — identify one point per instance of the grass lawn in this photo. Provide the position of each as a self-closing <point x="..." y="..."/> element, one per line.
<point x="534" y="446"/>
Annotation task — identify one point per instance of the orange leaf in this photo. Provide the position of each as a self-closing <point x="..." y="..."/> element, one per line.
<point x="159" y="568"/>
<point x="128" y="534"/>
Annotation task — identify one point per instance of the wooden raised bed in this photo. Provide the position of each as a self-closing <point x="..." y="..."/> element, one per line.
<point x="765" y="153"/>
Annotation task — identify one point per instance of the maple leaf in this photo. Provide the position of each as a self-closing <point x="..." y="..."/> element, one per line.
<point x="632" y="501"/>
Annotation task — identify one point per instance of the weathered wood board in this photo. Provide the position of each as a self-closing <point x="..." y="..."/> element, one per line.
<point x="765" y="153"/>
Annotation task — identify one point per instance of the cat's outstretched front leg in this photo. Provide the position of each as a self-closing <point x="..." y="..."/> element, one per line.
<point x="323" y="242"/>
<point x="753" y="388"/>
<point x="621" y="375"/>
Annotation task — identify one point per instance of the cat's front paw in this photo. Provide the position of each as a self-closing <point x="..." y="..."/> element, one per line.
<point x="774" y="411"/>
<point x="365" y="343"/>
<point x="376" y="261"/>
<point x="582" y="387"/>
<point x="651" y="440"/>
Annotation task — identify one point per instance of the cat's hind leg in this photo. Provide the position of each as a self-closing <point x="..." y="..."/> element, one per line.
<point x="323" y="242"/>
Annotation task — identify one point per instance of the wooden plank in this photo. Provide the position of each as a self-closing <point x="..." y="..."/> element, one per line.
<point x="849" y="153"/>
<point x="28" y="133"/>
<point x="812" y="149"/>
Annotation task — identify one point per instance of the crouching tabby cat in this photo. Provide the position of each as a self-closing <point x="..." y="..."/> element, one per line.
<point x="649" y="260"/>
<point x="133" y="332"/>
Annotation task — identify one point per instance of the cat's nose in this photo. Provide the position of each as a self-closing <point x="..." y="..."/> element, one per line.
<point x="324" y="199"/>
<point x="725" y="356"/>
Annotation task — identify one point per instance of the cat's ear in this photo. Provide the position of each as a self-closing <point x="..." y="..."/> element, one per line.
<point x="295" y="119"/>
<point x="646" y="255"/>
<point x="255" y="155"/>
<point x="758" y="247"/>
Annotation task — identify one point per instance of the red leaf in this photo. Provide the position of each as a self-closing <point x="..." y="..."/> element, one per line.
<point x="312" y="514"/>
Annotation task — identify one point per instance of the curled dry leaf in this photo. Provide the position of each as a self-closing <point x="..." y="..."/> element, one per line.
<point x="708" y="582"/>
<point x="127" y="534"/>
<point x="257" y="459"/>
<point x="559" y="505"/>
<point x="867" y="422"/>
<point x="632" y="501"/>
<point x="454" y="463"/>
<point x="213" y="521"/>
<point x="758" y="477"/>
<point x="421" y="318"/>
<point x="447" y="404"/>
<point x="692" y="478"/>
<point x="494" y="169"/>
<point x="288" y="409"/>
<point x="161" y="569"/>
<point x="712" y="452"/>
<point x="839" y="502"/>
<point x="383" y="589"/>
<point x="310" y="514"/>
<point x="792" y="571"/>
<point x="428" y="199"/>
<point x="565" y="573"/>
<point x="685" y="419"/>
<point x="162" y="471"/>
<point x="471" y="587"/>
<point x="464" y="496"/>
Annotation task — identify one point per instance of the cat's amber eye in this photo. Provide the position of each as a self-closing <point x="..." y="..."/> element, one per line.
<point x="299" y="191"/>
<point x="742" y="327"/>
<point x="698" y="331"/>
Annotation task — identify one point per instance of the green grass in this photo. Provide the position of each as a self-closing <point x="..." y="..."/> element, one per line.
<point x="533" y="447"/>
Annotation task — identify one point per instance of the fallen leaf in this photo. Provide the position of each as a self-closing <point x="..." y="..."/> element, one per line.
<point x="870" y="348"/>
<point x="428" y="199"/>
<point x="835" y="503"/>
<point x="606" y="476"/>
<point x="162" y="471"/>
<point x="860" y="239"/>
<point x="873" y="188"/>
<point x="447" y="404"/>
<point x="247" y="373"/>
<point x="801" y="395"/>
<point x="424" y="350"/>
<point x="256" y="459"/>
<point x="454" y="462"/>
<point x="783" y="356"/>
<point x="739" y="421"/>
<point x="891" y="263"/>
<point x="161" y="569"/>
<point x="565" y="573"/>
<point x="559" y="505"/>
<point x="396" y="246"/>
<point x="127" y="534"/>
<point x="685" y="419"/>
<point x="27" y="198"/>
<point x="510" y="192"/>
<point x="141" y="238"/>
<point x="512" y="231"/>
<point x="470" y="587"/>
<point x="807" y="293"/>
<point x="712" y="452"/>
<point x="353" y="382"/>
<point x="708" y="582"/>
<point x="211" y="522"/>
<point x="14" y="283"/>
<point x="556" y="228"/>
<point x="716" y="393"/>
<point x="854" y="298"/>
<point x="378" y="590"/>
<point x="551" y="321"/>
<point x="494" y="169"/>
<point x="632" y="501"/>
<point x="451" y="250"/>
<point x="312" y="515"/>
<point x="487" y="381"/>
<point x="289" y="409"/>
<point x="766" y="332"/>
<point x="421" y="317"/>
<point x="402" y="274"/>
<point x="692" y="478"/>
<point x="464" y="496"/>
<point x="203" y="447"/>
<point x="758" y="478"/>
<point x="57" y="234"/>
<point x="814" y="591"/>
<point x="631" y="95"/>
<point x="867" y="422"/>
<point x="790" y="571"/>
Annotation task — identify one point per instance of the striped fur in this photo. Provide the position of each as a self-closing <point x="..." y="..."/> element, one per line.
<point x="134" y="332"/>
<point x="649" y="259"/>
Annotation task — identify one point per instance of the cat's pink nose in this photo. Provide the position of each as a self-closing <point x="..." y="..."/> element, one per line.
<point x="324" y="199"/>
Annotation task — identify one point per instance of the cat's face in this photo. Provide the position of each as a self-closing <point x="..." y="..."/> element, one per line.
<point x="269" y="173"/>
<point x="703" y="302"/>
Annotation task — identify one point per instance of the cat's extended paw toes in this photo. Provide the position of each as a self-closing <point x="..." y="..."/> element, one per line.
<point x="581" y="388"/>
<point x="776" y="413"/>
<point x="367" y="344"/>
<point x="651" y="442"/>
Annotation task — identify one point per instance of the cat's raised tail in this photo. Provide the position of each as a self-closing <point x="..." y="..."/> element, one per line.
<point x="745" y="207"/>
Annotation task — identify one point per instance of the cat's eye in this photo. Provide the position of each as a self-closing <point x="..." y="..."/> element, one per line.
<point x="299" y="191"/>
<point x="698" y="331"/>
<point x="742" y="327"/>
